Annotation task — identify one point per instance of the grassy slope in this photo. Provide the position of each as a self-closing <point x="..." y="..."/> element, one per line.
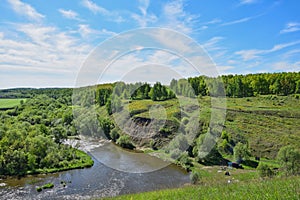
<point x="277" y="188"/>
<point x="10" y="103"/>
<point x="267" y="122"/>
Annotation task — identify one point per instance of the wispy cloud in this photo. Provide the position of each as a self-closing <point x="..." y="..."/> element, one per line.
<point x="70" y="14"/>
<point x="25" y="9"/>
<point x="286" y="66"/>
<point x="144" y="18"/>
<point x="238" y="21"/>
<point x="214" y="21"/>
<point x="177" y="18"/>
<point x="291" y="27"/>
<point x="212" y="44"/>
<point x="245" y="2"/>
<point x="85" y="31"/>
<point x="96" y="9"/>
<point x="255" y="53"/>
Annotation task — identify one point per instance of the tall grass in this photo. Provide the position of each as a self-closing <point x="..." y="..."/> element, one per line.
<point x="277" y="188"/>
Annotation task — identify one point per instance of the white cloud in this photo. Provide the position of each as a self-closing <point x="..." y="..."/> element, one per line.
<point x="70" y="14"/>
<point x="224" y="69"/>
<point x="111" y="15"/>
<point x="145" y="17"/>
<point x="148" y="65"/>
<point x="211" y="44"/>
<point x="45" y="52"/>
<point x="25" y="9"/>
<point x="177" y="18"/>
<point x="286" y="66"/>
<point x="255" y="53"/>
<point x="289" y="54"/>
<point x="85" y="31"/>
<point x="94" y="7"/>
<point x="291" y="27"/>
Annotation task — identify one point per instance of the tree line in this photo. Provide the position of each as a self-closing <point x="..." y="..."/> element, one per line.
<point x="284" y="83"/>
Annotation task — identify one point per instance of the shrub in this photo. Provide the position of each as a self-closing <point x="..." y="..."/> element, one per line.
<point x="289" y="157"/>
<point x="114" y="134"/>
<point x="264" y="170"/>
<point x="175" y="153"/>
<point x="125" y="142"/>
<point x="195" y="177"/>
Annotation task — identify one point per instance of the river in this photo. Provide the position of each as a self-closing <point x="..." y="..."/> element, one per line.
<point x="137" y="172"/>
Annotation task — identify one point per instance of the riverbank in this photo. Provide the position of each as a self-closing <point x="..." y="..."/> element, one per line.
<point x="101" y="180"/>
<point x="269" y="189"/>
<point x="83" y="161"/>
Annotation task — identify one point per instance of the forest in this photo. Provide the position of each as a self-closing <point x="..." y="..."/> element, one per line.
<point x="31" y="134"/>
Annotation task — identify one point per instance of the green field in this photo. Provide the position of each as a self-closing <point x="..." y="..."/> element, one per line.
<point x="10" y="103"/>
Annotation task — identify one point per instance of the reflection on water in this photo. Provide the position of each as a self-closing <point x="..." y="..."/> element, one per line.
<point x="99" y="180"/>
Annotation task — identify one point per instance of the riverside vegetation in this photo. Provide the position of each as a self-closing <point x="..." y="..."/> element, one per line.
<point x="261" y="130"/>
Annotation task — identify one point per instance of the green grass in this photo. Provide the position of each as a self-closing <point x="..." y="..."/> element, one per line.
<point x="277" y="188"/>
<point x="267" y="122"/>
<point x="10" y="103"/>
<point x="140" y="108"/>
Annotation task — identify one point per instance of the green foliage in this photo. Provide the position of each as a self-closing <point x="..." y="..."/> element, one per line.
<point x="241" y="152"/>
<point x="239" y="85"/>
<point x="31" y="137"/>
<point x="289" y="157"/>
<point x="160" y="93"/>
<point x="48" y="186"/>
<point x="125" y="142"/>
<point x="184" y="161"/>
<point x="107" y="125"/>
<point x="195" y="177"/>
<point x="114" y="134"/>
<point x="264" y="170"/>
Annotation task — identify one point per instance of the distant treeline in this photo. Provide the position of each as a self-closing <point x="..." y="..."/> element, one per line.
<point x="55" y="93"/>
<point x="284" y="83"/>
<point x="239" y="85"/>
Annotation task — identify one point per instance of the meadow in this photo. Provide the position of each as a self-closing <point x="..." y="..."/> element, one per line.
<point x="10" y="103"/>
<point x="270" y="189"/>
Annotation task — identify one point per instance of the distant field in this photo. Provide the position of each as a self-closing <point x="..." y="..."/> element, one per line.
<point x="10" y="103"/>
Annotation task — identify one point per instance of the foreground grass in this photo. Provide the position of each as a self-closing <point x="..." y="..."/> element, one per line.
<point x="277" y="188"/>
<point x="10" y="103"/>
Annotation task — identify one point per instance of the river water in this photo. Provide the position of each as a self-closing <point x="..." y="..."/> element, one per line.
<point x="137" y="172"/>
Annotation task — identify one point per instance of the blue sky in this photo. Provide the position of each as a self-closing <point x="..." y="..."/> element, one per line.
<point x="45" y="45"/>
